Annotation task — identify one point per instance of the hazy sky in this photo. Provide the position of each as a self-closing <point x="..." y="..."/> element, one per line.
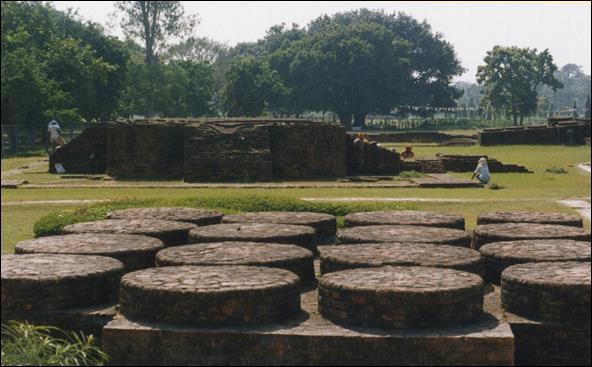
<point x="473" y="29"/>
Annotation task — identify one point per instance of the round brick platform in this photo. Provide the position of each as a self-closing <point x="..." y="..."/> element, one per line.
<point x="555" y="291"/>
<point x="134" y="251"/>
<point x="499" y="255"/>
<point x="488" y="233"/>
<point x="293" y="258"/>
<point x="169" y="232"/>
<point x="405" y="217"/>
<point x="401" y="297"/>
<point x="45" y="282"/>
<point x="324" y="224"/>
<point x="530" y="217"/>
<point x="372" y="255"/>
<point x="376" y="234"/>
<point x="210" y="295"/>
<point x="255" y="232"/>
<point x="200" y="217"/>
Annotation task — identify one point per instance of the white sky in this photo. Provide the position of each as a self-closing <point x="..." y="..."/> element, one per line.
<point x="472" y="28"/>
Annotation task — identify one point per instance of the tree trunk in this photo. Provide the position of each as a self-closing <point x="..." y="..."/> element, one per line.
<point x="360" y="119"/>
<point x="521" y="119"/>
<point x="345" y="118"/>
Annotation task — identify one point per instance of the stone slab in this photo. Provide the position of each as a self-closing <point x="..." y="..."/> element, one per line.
<point x="405" y="217"/>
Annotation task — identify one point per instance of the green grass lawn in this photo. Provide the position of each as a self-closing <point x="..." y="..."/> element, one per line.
<point x="535" y="192"/>
<point x="12" y="163"/>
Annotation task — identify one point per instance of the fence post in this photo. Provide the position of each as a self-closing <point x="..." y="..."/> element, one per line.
<point x="33" y="136"/>
<point x="16" y="140"/>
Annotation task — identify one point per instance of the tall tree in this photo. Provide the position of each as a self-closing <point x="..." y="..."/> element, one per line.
<point x="511" y="76"/>
<point x="155" y="23"/>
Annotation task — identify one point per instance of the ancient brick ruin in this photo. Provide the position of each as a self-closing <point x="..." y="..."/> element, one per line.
<point x="391" y="291"/>
<point x="567" y="131"/>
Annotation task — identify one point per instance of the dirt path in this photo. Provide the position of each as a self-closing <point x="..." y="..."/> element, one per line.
<point x="584" y="167"/>
<point x="581" y="206"/>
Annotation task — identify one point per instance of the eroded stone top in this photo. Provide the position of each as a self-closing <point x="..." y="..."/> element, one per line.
<point x="250" y="231"/>
<point x="131" y="226"/>
<point x="297" y="218"/>
<point x="401" y="279"/>
<point x="379" y="254"/>
<point x="191" y="215"/>
<point x="530" y="231"/>
<point x="48" y="267"/>
<point x="210" y="279"/>
<point x="232" y="253"/>
<point x="369" y="234"/>
<point x="549" y="274"/>
<point x="529" y="217"/>
<point x="538" y="250"/>
<point x="89" y="243"/>
<point x="405" y="217"/>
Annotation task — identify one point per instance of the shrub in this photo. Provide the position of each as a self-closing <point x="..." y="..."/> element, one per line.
<point x="496" y="187"/>
<point x="29" y="345"/>
<point x="557" y="170"/>
<point x="410" y="174"/>
<point x="54" y="223"/>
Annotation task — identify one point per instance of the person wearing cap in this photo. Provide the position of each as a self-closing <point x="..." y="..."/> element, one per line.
<point x="482" y="171"/>
<point x="55" y="134"/>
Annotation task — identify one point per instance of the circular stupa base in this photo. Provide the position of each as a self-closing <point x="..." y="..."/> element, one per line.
<point x="46" y="282"/>
<point x="289" y="257"/>
<point x="325" y="225"/>
<point x="171" y="233"/>
<point x="554" y="291"/>
<point x="497" y="256"/>
<point x="405" y="217"/>
<point x="134" y="251"/>
<point x="255" y="232"/>
<point x="372" y="255"/>
<point x="199" y="217"/>
<point x="530" y="217"/>
<point x="380" y="234"/>
<point x="401" y="297"/>
<point x="488" y="233"/>
<point x="210" y="295"/>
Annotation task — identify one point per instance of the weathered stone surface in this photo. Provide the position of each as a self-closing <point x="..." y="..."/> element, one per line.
<point x="499" y="255"/>
<point x="324" y="224"/>
<point x="405" y="217"/>
<point x="44" y="282"/>
<point x="401" y="297"/>
<point x="210" y="295"/>
<point x="171" y="233"/>
<point x="498" y="232"/>
<point x="293" y="258"/>
<point x="307" y="339"/>
<point x="256" y="232"/>
<point x="134" y="251"/>
<point x="530" y="217"/>
<point x="372" y="255"/>
<point x="200" y="217"/>
<point x="377" y="234"/>
<point x="555" y="291"/>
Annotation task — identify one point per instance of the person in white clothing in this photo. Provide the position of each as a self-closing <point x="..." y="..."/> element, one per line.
<point x="55" y="134"/>
<point x="482" y="171"/>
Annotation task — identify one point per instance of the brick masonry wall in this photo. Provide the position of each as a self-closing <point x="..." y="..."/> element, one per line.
<point x="536" y="135"/>
<point x="87" y="153"/>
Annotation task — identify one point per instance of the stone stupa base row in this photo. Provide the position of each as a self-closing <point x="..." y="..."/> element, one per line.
<point x="307" y="339"/>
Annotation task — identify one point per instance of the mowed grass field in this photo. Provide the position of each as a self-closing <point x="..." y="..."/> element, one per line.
<point x="538" y="191"/>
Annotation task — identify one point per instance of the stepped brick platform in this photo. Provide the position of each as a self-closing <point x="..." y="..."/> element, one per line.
<point x="74" y="292"/>
<point x="413" y="234"/>
<point x="210" y="295"/>
<point x="556" y="291"/>
<point x="497" y="256"/>
<point x="405" y="217"/>
<point x="134" y="251"/>
<point x="199" y="217"/>
<point x="401" y="297"/>
<point x="487" y="233"/>
<point x="530" y="217"/>
<point x="293" y="258"/>
<point x="169" y="232"/>
<point x="302" y="236"/>
<point x="307" y="339"/>
<point x="324" y="224"/>
<point x="372" y="255"/>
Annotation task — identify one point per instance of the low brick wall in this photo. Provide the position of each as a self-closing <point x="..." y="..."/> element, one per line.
<point x="563" y="133"/>
<point x="415" y="137"/>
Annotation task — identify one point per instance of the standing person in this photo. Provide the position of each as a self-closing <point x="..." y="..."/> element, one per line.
<point x="55" y="134"/>
<point x="482" y="171"/>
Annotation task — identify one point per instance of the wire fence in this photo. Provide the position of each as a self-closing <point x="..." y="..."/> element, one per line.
<point x="27" y="139"/>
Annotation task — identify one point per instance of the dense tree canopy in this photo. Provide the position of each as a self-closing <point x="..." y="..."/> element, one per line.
<point x="511" y="76"/>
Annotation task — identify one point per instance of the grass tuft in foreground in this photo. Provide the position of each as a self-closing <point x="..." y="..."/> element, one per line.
<point x="29" y="345"/>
